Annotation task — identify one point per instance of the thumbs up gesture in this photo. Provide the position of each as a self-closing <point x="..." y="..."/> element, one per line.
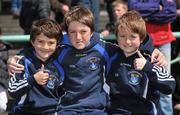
<point x="41" y="76"/>
<point x="140" y="62"/>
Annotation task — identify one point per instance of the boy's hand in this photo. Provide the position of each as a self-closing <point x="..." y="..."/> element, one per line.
<point x="160" y="7"/>
<point x="105" y="33"/>
<point x="13" y="66"/>
<point x="64" y="9"/>
<point x="140" y="62"/>
<point x="41" y="76"/>
<point x="158" y="58"/>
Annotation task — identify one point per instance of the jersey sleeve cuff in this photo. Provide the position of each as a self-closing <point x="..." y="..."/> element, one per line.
<point x="31" y="80"/>
<point x="148" y="67"/>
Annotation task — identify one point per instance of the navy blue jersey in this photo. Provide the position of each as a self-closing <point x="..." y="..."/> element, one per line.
<point x="133" y="91"/>
<point x="31" y="97"/>
<point x="84" y="72"/>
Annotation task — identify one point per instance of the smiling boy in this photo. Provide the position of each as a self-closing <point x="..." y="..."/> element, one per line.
<point x="85" y="60"/>
<point x="35" y="89"/>
<point x="134" y="82"/>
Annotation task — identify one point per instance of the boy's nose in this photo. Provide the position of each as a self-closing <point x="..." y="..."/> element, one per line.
<point x="46" y="46"/>
<point x="128" y="41"/>
<point x="78" y="36"/>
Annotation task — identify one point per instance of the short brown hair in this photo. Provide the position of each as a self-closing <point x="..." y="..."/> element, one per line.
<point x="48" y="27"/>
<point x="80" y="14"/>
<point x="133" y="22"/>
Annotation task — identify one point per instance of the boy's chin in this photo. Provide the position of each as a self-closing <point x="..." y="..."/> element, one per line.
<point x="129" y="53"/>
<point x="44" y="58"/>
<point x="80" y="47"/>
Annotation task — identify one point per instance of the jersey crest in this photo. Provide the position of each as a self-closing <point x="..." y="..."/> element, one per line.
<point x="93" y="63"/>
<point x="51" y="81"/>
<point x="134" y="77"/>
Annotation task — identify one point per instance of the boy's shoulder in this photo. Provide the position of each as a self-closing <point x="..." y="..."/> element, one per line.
<point x="27" y="52"/>
<point x="146" y="54"/>
<point x="111" y="46"/>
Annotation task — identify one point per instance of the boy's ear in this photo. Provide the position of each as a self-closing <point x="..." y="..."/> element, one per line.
<point x="32" y="43"/>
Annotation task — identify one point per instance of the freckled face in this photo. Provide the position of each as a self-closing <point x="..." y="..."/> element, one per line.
<point x="79" y="34"/>
<point x="129" y="42"/>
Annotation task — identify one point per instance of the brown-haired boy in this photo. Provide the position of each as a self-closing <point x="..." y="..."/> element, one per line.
<point x="36" y="88"/>
<point x="134" y="82"/>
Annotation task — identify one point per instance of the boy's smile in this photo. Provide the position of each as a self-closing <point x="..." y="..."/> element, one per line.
<point x="44" y="46"/>
<point x="129" y="42"/>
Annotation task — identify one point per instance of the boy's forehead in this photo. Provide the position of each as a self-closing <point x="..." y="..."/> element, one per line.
<point x="75" y="25"/>
<point x="119" y="5"/>
<point x="44" y="37"/>
<point x="125" y="31"/>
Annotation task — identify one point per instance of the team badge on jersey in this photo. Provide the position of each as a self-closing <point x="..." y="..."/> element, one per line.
<point x="51" y="81"/>
<point x="134" y="77"/>
<point x="93" y="63"/>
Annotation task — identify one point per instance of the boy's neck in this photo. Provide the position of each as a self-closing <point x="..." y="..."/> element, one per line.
<point x="130" y="54"/>
<point x="43" y="60"/>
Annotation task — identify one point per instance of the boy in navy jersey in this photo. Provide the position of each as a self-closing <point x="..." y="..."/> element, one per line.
<point x="134" y="81"/>
<point x="85" y="60"/>
<point x="36" y="88"/>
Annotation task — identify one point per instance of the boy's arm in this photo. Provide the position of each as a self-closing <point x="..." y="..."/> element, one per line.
<point x="18" y="84"/>
<point x="21" y="83"/>
<point x="158" y="75"/>
<point x="13" y="66"/>
<point x="161" y="77"/>
<point x="156" y="56"/>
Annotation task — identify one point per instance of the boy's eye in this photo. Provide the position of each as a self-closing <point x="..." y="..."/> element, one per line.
<point x="71" y="32"/>
<point x="122" y="36"/>
<point x="133" y="37"/>
<point x="51" y="43"/>
<point x="84" y="31"/>
<point x="40" y="41"/>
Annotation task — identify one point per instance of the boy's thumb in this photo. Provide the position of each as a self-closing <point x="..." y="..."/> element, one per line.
<point x="42" y="67"/>
<point x="140" y="55"/>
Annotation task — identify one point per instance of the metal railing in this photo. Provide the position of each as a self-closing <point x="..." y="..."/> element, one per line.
<point x="25" y="38"/>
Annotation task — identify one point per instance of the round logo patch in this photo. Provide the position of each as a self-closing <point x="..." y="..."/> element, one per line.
<point x="134" y="77"/>
<point x="93" y="63"/>
<point x="51" y="81"/>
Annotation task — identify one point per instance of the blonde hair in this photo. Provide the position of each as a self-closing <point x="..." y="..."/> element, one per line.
<point x="123" y="2"/>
